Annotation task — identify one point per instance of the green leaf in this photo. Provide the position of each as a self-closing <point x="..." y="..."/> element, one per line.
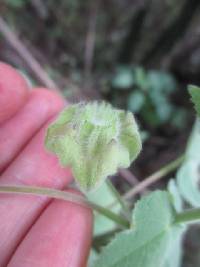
<point x="161" y="82"/>
<point x="159" y="87"/>
<point x="141" y="78"/>
<point x="149" y="244"/>
<point x="175" y="252"/>
<point x="163" y="110"/>
<point x="123" y="78"/>
<point x="195" y="96"/>
<point x="174" y="191"/>
<point x="136" y="101"/>
<point x="188" y="176"/>
<point x="94" y="139"/>
<point x="188" y="179"/>
<point x="104" y="197"/>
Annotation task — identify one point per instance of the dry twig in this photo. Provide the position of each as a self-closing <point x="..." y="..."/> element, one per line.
<point x="154" y="177"/>
<point x="90" y="40"/>
<point x="34" y="65"/>
<point x="128" y="176"/>
<point x="36" y="68"/>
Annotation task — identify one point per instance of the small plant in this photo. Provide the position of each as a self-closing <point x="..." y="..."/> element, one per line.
<point x="148" y="93"/>
<point x="95" y="139"/>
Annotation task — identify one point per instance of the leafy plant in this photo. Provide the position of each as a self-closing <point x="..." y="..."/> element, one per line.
<point x="123" y="78"/>
<point x="149" y="94"/>
<point x="151" y="233"/>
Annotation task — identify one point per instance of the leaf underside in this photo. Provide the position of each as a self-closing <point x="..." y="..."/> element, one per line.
<point x="188" y="176"/>
<point x="94" y="140"/>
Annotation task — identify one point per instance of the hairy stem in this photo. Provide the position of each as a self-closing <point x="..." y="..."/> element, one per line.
<point x="188" y="216"/>
<point x="53" y="193"/>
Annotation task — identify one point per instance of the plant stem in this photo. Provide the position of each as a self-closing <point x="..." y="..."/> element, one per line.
<point x="68" y="196"/>
<point x="188" y="216"/>
<point x="154" y="177"/>
<point x="111" y="215"/>
<point x="119" y="198"/>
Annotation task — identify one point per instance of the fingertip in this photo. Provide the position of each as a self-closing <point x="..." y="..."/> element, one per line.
<point x="13" y="91"/>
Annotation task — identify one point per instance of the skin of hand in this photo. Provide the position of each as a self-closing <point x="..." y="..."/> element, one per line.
<point x="35" y="231"/>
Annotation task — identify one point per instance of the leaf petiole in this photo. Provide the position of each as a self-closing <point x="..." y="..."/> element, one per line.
<point x="119" y="199"/>
<point x="188" y="216"/>
<point x="68" y="196"/>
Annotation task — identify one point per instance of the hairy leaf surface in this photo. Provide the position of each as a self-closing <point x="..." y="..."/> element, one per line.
<point x="94" y="139"/>
<point x="195" y="95"/>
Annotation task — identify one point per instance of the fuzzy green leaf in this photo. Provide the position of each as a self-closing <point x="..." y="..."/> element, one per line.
<point x="149" y="244"/>
<point x="188" y="176"/>
<point x="95" y="140"/>
<point x="195" y="95"/>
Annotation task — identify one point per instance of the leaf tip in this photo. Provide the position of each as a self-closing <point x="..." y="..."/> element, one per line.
<point x="194" y="92"/>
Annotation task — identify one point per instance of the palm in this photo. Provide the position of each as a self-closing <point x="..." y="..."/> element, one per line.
<point x="35" y="231"/>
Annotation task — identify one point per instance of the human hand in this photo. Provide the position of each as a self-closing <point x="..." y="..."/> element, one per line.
<point x="35" y="231"/>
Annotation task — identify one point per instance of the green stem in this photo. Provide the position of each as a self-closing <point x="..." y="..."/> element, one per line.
<point x="188" y="216"/>
<point x="53" y="193"/>
<point x="111" y="215"/>
<point x="118" y="197"/>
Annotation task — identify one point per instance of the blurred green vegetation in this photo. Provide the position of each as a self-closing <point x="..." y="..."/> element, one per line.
<point x="149" y="95"/>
